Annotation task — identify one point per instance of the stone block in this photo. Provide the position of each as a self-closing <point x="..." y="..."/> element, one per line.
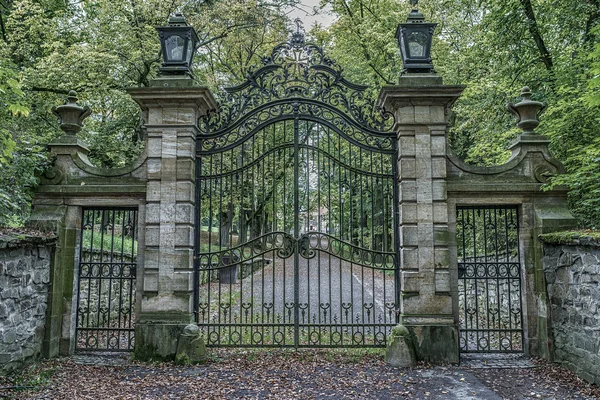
<point x="186" y="147"/>
<point x="438" y="167"/>
<point x="437" y="114"/>
<point x="407" y="168"/>
<point x="422" y="115"/>
<point x="168" y="171"/>
<point x="406" y="115"/>
<point x="169" y="116"/>
<point x="438" y="146"/>
<point x="184" y="236"/>
<point x="152" y="213"/>
<point x="440" y="213"/>
<point x="157" y="340"/>
<point x="406" y="146"/>
<point x="151" y="257"/>
<point x="168" y="212"/>
<point x="154" y="147"/>
<point x="154" y="166"/>
<point x="441" y="257"/>
<point x="439" y="189"/>
<point x="186" y="170"/>
<point x="150" y="281"/>
<point x="153" y="235"/>
<point x="436" y="344"/>
<point x="410" y="258"/>
<point x="410" y="281"/>
<point x="409" y="235"/>
<point x="408" y="191"/>
<point x="153" y="191"/>
<point x="441" y="235"/>
<point x="186" y="115"/>
<point x="184" y="213"/>
<point x="442" y="281"/>
<point x="185" y="191"/>
<point x="424" y="213"/>
<point x="408" y="213"/>
<point x="427" y="304"/>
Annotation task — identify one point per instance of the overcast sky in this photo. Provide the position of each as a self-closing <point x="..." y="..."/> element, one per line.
<point x="305" y="12"/>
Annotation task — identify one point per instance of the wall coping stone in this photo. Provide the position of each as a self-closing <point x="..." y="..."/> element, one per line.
<point x="572" y="238"/>
<point x="16" y="239"/>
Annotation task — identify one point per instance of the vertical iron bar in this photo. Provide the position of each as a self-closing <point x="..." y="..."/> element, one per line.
<point x="296" y="234"/>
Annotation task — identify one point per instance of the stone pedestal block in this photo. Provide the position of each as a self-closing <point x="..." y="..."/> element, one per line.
<point x="436" y="344"/>
<point x="157" y="335"/>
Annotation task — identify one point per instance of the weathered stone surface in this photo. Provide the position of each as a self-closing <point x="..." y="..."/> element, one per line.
<point x="400" y="351"/>
<point x="190" y="348"/>
<point x="419" y="106"/>
<point x="572" y="274"/>
<point x="24" y="272"/>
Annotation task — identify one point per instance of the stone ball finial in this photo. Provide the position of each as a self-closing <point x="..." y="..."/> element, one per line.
<point x="71" y="115"/>
<point x="527" y="111"/>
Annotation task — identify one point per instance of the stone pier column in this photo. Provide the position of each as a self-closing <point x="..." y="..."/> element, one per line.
<point x="420" y="104"/>
<point x="171" y="108"/>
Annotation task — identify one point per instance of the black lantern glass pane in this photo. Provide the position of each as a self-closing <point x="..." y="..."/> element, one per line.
<point x="417" y="44"/>
<point x="189" y="52"/>
<point x="174" y="45"/>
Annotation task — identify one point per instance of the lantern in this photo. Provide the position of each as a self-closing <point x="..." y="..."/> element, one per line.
<point x="178" y="43"/>
<point x="414" y="38"/>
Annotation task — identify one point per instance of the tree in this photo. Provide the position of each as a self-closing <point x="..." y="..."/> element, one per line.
<point x="100" y="48"/>
<point x="495" y="48"/>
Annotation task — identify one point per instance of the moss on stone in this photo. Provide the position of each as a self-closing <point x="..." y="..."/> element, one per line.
<point x="572" y="237"/>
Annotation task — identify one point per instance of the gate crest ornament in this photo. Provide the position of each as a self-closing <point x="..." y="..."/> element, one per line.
<point x="296" y="72"/>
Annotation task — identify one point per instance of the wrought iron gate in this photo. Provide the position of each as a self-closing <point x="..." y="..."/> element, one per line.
<point x="489" y="279"/>
<point x="106" y="280"/>
<point x="295" y="219"/>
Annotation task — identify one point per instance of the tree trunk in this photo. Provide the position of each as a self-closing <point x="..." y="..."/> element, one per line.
<point x="225" y="222"/>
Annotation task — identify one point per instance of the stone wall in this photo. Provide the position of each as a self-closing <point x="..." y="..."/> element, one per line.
<point x="24" y="287"/>
<point x="572" y="274"/>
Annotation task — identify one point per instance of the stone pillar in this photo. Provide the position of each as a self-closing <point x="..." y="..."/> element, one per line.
<point x="420" y="104"/>
<point x="171" y="108"/>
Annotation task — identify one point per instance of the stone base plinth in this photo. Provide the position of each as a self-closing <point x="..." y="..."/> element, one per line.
<point x="436" y="344"/>
<point x="156" y="335"/>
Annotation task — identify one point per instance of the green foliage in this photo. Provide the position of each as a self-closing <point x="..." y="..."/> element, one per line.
<point x="100" y="48"/>
<point x="495" y="48"/>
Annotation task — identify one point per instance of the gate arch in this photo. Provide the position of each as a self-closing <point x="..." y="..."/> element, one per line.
<point x="296" y="219"/>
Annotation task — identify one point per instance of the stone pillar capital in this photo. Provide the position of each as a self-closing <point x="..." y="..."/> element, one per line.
<point x="407" y="99"/>
<point x="174" y="95"/>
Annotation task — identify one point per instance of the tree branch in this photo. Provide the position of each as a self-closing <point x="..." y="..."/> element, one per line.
<point x="534" y="30"/>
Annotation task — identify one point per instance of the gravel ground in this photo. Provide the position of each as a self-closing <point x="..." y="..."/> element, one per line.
<point x="279" y="374"/>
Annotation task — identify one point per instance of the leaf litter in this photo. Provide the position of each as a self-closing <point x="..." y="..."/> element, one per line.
<point x="289" y="374"/>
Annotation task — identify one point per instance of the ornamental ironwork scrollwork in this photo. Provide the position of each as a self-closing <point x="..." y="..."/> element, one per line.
<point x="297" y="79"/>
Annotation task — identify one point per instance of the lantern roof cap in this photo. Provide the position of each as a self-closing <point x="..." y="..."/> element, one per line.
<point x="415" y="16"/>
<point x="177" y="20"/>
